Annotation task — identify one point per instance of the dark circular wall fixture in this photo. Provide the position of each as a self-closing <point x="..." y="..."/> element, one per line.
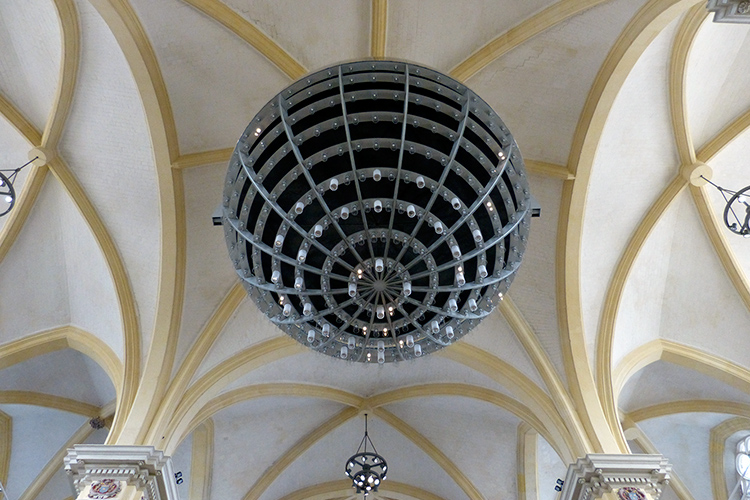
<point x="376" y="211"/>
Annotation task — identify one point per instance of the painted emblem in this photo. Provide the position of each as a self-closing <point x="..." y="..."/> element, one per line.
<point x="106" y="488"/>
<point x="630" y="493"/>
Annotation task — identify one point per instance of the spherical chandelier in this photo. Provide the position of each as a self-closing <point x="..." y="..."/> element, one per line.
<point x="376" y="211"/>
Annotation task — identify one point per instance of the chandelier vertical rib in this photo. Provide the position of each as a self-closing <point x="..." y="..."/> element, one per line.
<point x="376" y="211"/>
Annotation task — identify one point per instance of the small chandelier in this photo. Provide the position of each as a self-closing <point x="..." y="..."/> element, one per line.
<point x="737" y="202"/>
<point x="366" y="469"/>
<point x="7" y="191"/>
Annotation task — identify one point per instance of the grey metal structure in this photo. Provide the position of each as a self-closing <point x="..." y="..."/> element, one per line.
<point x="730" y="11"/>
<point x="376" y="211"/>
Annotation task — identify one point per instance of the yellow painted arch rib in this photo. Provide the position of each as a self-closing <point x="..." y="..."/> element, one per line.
<point x="633" y="41"/>
<point x="61" y="338"/>
<point x="71" y="50"/>
<point x="378" y="28"/>
<point x="605" y="338"/>
<point x="716" y="443"/>
<point x="432" y="451"/>
<point x="209" y="385"/>
<point x="683" y="44"/>
<point x="224" y="15"/>
<point x="6" y="440"/>
<point x="195" y="357"/>
<point x="49" y="401"/>
<point x="139" y="403"/>
<point x="523" y="388"/>
<point x="552" y="15"/>
<point x="343" y="489"/>
<point x="295" y="451"/>
<point x="690" y="406"/>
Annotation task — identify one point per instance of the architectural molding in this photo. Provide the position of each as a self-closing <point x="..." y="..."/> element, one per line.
<point x="378" y="28"/>
<point x="64" y="337"/>
<point x="527" y="477"/>
<point x="648" y="22"/>
<point x="432" y="451"/>
<point x="504" y="43"/>
<point x="49" y="401"/>
<point x="139" y="402"/>
<point x="716" y="446"/>
<point x="521" y="387"/>
<point x="203" y="158"/>
<point x="613" y="299"/>
<point x="116" y="266"/>
<point x="19" y="122"/>
<point x="530" y="342"/>
<point x="201" y="461"/>
<point x="730" y="11"/>
<point x="210" y="384"/>
<point x="195" y="357"/>
<point x="71" y="55"/>
<point x="247" y="31"/>
<point x="304" y="444"/>
<point x="546" y="169"/>
<point x="690" y="406"/>
<point x="343" y="490"/>
<point x="682" y="45"/>
<point x="6" y="437"/>
<point x="682" y="355"/>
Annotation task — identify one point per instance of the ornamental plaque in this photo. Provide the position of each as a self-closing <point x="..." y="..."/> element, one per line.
<point x="730" y="11"/>
<point x="104" y="489"/>
<point x="630" y="493"/>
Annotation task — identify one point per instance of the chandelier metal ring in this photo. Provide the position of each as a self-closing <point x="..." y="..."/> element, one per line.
<point x="7" y="195"/>
<point x="376" y="211"/>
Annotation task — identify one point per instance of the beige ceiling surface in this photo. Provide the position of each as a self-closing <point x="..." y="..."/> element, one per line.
<point x="117" y="298"/>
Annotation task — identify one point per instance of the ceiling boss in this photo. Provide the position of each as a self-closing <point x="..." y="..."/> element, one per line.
<point x="376" y="211"/>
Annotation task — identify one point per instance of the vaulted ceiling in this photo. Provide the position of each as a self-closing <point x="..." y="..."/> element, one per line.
<point x="625" y="330"/>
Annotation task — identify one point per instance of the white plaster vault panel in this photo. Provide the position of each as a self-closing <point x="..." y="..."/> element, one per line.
<point x="488" y="436"/>
<point x="639" y="316"/>
<point x="209" y="274"/>
<point x="534" y="289"/>
<point x="181" y="462"/>
<point x="216" y="81"/>
<point x="38" y="433"/>
<point x="247" y="327"/>
<point x="539" y="89"/>
<point x="636" y="160"/>
<point x="32" y="300"/>
<point x="683" y="438"/>
<point x="365" y="379"/>
<point x="59" y="484"/>
<point x="495" y="336"/>
<point x="717" y="86"/>
<point x="340" y="31"/>
<point x="694" y="267"/>
<point x="406" y="462"/>
<point x="107" y="146"/>
<point x="52" y="373"/>
<point x="30" y="65"/>
<point x="664" y="382"/>
<point x="252" y="435"/>
<point x="434" y="32"/>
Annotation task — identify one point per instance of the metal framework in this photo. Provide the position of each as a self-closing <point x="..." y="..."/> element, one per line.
<point x="376" y="211"/>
